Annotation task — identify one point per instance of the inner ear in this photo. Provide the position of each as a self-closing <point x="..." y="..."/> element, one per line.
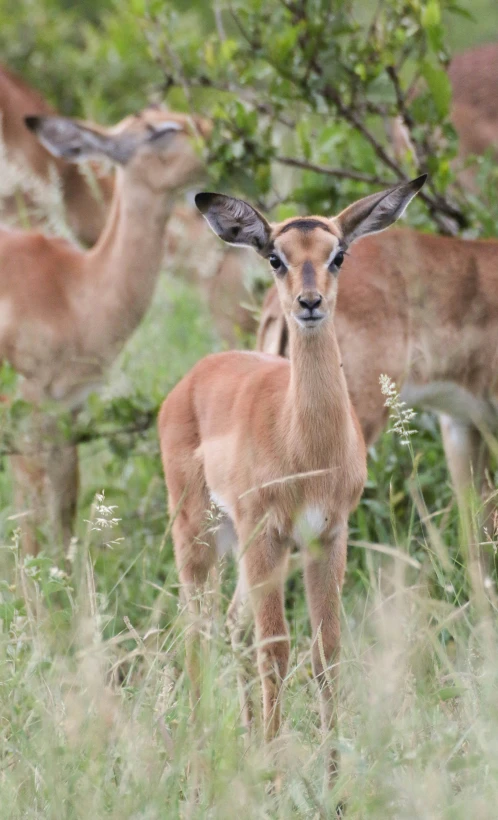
<point x="73" y="141"/>
<point x="234" y="220"/>
<point x="377" y="212"/>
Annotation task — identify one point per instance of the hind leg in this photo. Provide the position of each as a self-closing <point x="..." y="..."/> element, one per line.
<point x="63" y="486"/>
<point x="468" y="459"/>
<point x="241" y="627"/>
<point x="195" y="555"/>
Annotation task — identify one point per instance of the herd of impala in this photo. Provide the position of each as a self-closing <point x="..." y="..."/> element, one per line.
<point x="277" y="444"/>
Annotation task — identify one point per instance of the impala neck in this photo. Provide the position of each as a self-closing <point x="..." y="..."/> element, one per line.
<point x="318" y="408"/>
<point x="124" y="265"/>
<point x="87" y="206"/>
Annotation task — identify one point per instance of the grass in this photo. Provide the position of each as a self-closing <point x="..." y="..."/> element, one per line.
<point x="95" y="714"/>
<point x="95" y="718"/>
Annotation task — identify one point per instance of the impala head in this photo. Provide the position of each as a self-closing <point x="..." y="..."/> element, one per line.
<point x="156" y="146"/>
<point x="306" y="254"/>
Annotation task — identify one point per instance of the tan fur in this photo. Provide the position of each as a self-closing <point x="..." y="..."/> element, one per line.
<point x="424" y="310"/>
<point x="86" y="211"/>
<point x="241" y="429"/>
<point x="65" y="314"/>
<point x="189" y="247"/>
<point x="474" y="111"/>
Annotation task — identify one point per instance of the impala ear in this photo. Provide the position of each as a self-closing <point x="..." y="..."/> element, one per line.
<point x="234" y="220"/>
<point x="377" y="212"/>
<point x="66" y="138"/>
<point x="162" y="132"/>
<point x="75" y="142"/>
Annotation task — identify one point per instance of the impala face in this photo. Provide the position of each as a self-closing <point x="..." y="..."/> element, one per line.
<point x="306" y="255"/>
<point x="156" y="145"/>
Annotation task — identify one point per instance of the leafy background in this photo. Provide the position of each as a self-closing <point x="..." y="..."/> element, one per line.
<point x="94" y="700"/>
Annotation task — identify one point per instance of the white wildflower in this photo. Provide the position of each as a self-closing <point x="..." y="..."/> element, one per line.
<point x="103" y="518"/>
<point x="400" y="413"/>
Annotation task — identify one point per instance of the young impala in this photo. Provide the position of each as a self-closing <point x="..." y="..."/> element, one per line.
<point x="275" y="445"/>
<point x="422" y="309"/>
<point x="64" y="313"/>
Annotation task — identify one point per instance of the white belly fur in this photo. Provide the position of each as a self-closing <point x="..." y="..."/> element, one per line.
<point x="309" y="525"/>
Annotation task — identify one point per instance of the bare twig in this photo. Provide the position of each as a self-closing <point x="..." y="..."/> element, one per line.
<point x="340" y="173"/>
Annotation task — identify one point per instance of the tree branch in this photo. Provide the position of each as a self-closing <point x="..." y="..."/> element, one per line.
<point x="339" y="173"/>
<point x="86" y="436"/>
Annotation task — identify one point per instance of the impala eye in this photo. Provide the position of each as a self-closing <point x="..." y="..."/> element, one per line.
<point x="337" y="261"/>
<point x="274" y="261"/>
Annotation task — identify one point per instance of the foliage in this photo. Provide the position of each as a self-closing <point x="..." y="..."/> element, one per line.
<point x="96" y="717"/>
<point x="83" y="57"/>
<point x="291" y="83"/>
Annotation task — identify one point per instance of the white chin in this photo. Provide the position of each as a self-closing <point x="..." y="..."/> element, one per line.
<point x="309" y="324"/>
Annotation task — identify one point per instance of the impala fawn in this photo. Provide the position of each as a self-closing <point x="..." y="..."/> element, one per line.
<point x="276" y="445"/>
<point x="65" y="314"/>
<point x="422" y="309"/>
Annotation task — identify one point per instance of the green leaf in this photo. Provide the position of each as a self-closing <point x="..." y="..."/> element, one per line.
<point x="431" y="22"/>
<point x="450" y="692"/>
<point x="439" y="86"/>
<point x="431" y="14"/>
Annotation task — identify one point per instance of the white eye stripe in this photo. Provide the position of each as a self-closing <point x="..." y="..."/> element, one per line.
<point x="281" y="255"/>
<point x="333" y="256"/>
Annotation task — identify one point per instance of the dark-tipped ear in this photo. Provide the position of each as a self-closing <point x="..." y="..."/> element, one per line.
<point x="66" y="138"/>
<point x="234" y="220"/>
<point x="378" y="211"/>
<point x="73" y="141"/>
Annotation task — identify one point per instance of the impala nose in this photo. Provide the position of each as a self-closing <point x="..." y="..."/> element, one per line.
<point x="310" y="302"/>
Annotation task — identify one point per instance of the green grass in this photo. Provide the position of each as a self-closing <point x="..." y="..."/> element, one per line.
<point x="95" y="714"/>
<point x="95" y="718"/>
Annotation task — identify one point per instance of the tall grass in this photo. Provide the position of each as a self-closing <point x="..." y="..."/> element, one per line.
<point x="101" y="727"/>
<point x="95" y="711"/>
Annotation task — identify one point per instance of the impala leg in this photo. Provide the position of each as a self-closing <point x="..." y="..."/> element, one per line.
<point x="62" y="487"/>
<point x="240" y="625"/>
<point x="264" y="563"/>
<point x="324" y="574"/>
<point x="46" y="481"/>
<point x="29" y="498"/>
<point x="195" y="555"/>
<point x="468" y="458"/>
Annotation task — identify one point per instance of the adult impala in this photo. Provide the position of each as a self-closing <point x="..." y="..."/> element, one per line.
<point x="473" y="76"/>
<point x="86" y="206"/>
<point x="220" y="274"/>
<point x="276" y="445"/>
<point x="424" y="310"/>
<point x="64" y="313"/>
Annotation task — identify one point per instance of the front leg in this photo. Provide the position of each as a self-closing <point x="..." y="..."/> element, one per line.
<point x="324" y="569"/>
<point x="30" y="482"/>
<point x="264" y="568"/>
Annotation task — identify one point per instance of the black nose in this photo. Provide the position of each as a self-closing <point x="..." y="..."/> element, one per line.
<point x="310" y="302"/>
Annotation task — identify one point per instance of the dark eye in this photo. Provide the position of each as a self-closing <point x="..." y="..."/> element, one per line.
<point x="274" y="261"/>
<point x="337" y="260"/>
